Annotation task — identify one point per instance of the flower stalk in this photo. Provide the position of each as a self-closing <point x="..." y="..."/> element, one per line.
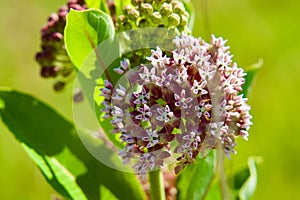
<point x="157" y="190"/>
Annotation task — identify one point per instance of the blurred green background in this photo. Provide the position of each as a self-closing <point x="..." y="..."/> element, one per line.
<point x="255" y="29"/>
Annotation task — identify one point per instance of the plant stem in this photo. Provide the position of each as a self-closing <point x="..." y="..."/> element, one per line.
<point x="157" y="188"/>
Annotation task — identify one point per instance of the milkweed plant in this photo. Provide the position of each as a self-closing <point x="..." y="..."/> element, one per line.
<point x="156" y="110"/>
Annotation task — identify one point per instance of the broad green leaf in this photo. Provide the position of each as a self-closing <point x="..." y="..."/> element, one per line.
<point x="84" y="31"/>
<point x="194" y="180"/>
<point x="190" y="9"/>
<point x="90" y="42"/>
<point x="251" y="73"/>
<point x="54" y="145"/>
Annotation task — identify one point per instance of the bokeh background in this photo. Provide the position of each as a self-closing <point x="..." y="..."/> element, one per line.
<point x="255" y="29"/>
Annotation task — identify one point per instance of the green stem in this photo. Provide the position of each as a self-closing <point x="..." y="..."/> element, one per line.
<point x="157" y="190"/>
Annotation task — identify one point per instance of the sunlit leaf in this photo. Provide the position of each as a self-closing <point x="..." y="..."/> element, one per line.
<point x="84" y="31"/>
<point x="91" y="45"/>
<point x="194" y="180"/>
<point x="54" y="145"/>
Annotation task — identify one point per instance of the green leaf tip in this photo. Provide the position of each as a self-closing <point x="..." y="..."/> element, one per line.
<point x="251" y="71"/>
<point x="255" y="66"/>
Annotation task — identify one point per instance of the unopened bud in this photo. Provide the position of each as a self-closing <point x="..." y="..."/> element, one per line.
<point x="59" y="85"/>
<point x="146" y="9"/>
<point x="52" y="19"/>
<point x="127" y="9"/>
<point x="49" y="71"/>
<point x="174" y="19"/>
<point x="166" y="9"/>
<point x="133" y="14"/>
<point x="56" y="36"/>
<point x="184" y="20"/>
<point x="121" y="19"/>
<point x="179" y="8"/>
<point x="156" y="18"/>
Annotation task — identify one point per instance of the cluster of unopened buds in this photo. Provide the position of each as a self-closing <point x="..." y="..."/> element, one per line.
<point x="170" y="15"/>
<point x="154" y="13"/>
<point x="53" y="56"/>
<point x="182" y="104"/>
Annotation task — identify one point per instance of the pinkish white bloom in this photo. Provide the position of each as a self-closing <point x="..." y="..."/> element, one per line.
<point x="182" y="97"/>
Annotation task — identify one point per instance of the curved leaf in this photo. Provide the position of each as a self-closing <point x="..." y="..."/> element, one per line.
<point x="242" y="184"/>
<point x="54" y="145"/>
<point x="244" y="181"/>
<point x="194" y="180"/>
<point x="84" y="31"/>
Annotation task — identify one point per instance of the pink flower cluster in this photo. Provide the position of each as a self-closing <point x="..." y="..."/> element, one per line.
<point x="181" y="104"/>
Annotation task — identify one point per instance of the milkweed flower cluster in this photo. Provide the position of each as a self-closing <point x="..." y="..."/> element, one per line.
<point x="53" y="56"/>
<point x="181" y="104"/>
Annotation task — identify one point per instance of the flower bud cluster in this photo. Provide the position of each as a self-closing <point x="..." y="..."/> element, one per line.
<point x="182" y="104"/>
<point x="53" y="58"/>
<point x="170" y="14"/>
<point x="166" y="14"/>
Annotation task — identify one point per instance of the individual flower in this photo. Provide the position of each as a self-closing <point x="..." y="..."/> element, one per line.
<point x="183" y="103"/>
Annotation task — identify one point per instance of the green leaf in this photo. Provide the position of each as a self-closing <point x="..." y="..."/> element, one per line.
<point x="214" y="193"/>
<point x="242" y="184"/>
<point x="251" y="73"/>
<point x="90" y="42"/>
<point x="54" y="145"/>
<point x="90" y="79"/>
<point x="93" y="3"/>
<point x="98" y="4"/>
<point x="245" y="180"/>
<point x="84" y="31"/>
<point x="194" y="180"/>
<point x="190" y="9"/>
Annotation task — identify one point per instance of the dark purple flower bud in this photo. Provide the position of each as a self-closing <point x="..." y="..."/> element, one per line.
<point x="58" y="86"/>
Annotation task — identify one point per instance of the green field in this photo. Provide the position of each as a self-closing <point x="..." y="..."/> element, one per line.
<point x="255" y="29"/>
